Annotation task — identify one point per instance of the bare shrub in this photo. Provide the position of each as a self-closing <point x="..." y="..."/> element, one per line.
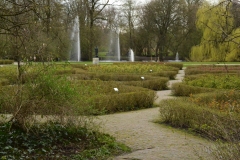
<point x="46" y="95"/>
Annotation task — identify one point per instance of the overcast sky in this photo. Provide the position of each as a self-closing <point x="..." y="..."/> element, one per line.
<point x="144" y="1"/>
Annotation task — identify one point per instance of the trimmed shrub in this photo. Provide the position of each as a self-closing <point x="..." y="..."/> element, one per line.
<point x="6" y="61"/>
<point x="98" y="87"/>
<point x="203" y="69"/>
<point x="124" y="101"/>
<point x="155" y="84"/>
<point x="209" y="123"/>
<point x="4" y="81"/>
<point x="8" y="75"/>
<point x="180" y="89"/>
<point x="224" y="101"/>
<point x="227" y="151"/>
<point x="132" y="68"/>
<point x="121" y="77"/>
<point x="176" y="65"/>
<point x="170" y="74"/>
<point x="214" y="81"/>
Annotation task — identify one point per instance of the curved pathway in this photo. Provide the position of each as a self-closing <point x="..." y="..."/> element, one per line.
<point x="152" y="141"/>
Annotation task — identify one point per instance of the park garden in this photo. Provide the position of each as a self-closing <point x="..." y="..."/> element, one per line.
<point x="57" y="104"/>
<point x="48" y="104"/>
<point x="208" y="105"/>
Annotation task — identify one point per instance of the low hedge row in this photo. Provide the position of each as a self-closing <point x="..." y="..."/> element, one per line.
<point x="4" y="81"/>
<point x="121" y="77"/>
<point x="213" y="69"/>
<point x="224" y="101"/>
<point x="6" y="61"/>
<point x="172" y="64"/>
<point x="155" y="84"/>
<point x="223" y="95"/>
<point x="150" y="82"/>
<point x="176" y="65"/>
<point x="124" y="101"/>
<point x="219" y="81"/>
<point x="180" y="89"/>
<point x="8" y="75"/>
<point x="170" y="74"/>
<point x="98" y="87"/>
<point x="207" y="122"/>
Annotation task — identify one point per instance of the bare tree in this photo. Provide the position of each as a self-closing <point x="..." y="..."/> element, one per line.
<point x="163" y="15"/>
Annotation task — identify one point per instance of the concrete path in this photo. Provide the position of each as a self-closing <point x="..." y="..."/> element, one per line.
<point x="152" y="141"/>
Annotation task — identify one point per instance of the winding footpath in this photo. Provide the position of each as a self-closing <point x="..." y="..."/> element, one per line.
<point x="153" y="141"/>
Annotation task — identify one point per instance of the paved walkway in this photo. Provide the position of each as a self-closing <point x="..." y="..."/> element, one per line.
<point x="152" y="141"/>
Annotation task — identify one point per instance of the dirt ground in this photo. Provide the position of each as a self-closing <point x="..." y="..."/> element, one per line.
<point x="152" y="141"/>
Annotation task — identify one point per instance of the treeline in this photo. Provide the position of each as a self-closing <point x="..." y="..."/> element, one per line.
<point x="40" y="29"/>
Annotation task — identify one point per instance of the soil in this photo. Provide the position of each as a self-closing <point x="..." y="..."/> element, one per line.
<point x="152" y="141"/>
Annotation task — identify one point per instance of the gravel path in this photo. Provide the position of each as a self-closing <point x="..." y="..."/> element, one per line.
<point x="152" y="141"/>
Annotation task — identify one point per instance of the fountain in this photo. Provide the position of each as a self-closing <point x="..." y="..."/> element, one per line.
<point x="118" y="45"/>
<point x="113" y="53"/>
<point x="75" y="53"/>
<point x="177" y="57"/>
<point x="131" y="55"/>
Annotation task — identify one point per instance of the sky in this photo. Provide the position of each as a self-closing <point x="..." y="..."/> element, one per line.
<point x="144" y="1"/>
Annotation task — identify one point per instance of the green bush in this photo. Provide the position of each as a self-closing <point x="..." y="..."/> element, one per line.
<point x="215" y="81"/>
<point x="213" y="69"/>
<point x="6" y="61"/>
<point x="8" y="75"/>
<point x="120" y="77"/>
<point x="123" y="77"/>
<point x="119" y="102"/>
<point x="45" y="95"/>
<point x="227" y="151"/>
<point x="97" y="87"/>
<point x="176" y="65"/>
<point x="155" y="84"/>
<point x="180" y="89"/>
<point x="169" y="74"/>
<point x="4" y="81"/>
<point x="225" y="101"/>
<point x="209" y="123"/>
<point x="98" y="97"/>
<point x="132" y="68"/>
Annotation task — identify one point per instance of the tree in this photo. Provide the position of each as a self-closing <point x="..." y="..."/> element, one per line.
<point x="220" y="38"/>
<point x="164" y="18"/>
<point x="38" y="22"/>
<point x="130" y="14"/>
<point x="29" y="33"/>
<point x="187" y="34"/>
